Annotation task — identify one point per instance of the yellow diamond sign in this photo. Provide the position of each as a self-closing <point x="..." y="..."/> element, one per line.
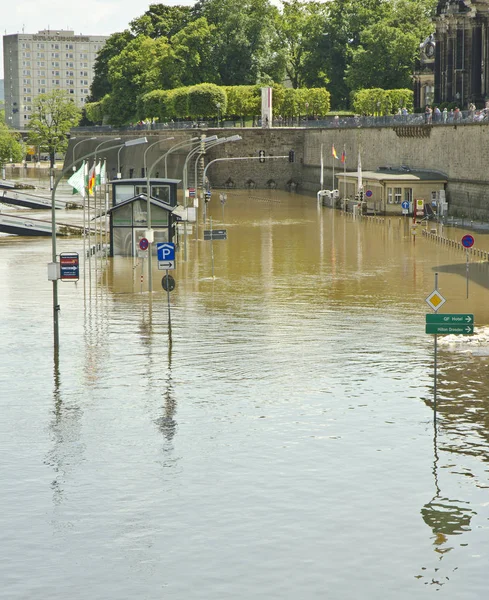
<point x="435" y="300"/>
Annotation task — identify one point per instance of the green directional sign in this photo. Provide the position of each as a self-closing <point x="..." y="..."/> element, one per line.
<point x="450" y="319"/>
<point x="442" y="329"/>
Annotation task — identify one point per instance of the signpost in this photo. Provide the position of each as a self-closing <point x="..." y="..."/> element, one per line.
<point x="442" y="329"/>
<point x="69" y="266"/>
<point x="215" y="234"/>
<point x="166" y="261"/>
<point x="211" y="235"/>
<point x="405" y="207"/>
<point x="467" y="242"/>
<point x="166" y="256"/>
<point x="419" y="207"/>
<point x="448" y="324"/>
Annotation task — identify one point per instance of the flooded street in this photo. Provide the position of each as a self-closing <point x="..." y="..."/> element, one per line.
<point x="278" y="442"/>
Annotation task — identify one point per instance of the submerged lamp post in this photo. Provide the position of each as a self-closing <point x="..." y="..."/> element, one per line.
<point x="175" y="147"/>
<point x="149" y="231"/>
<point x="53" y="266"/>
<point x="77" y="144"/>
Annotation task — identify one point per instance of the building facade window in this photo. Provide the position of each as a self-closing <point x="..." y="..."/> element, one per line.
<point x="389" y="195"/>
<point x="397" y="195"/>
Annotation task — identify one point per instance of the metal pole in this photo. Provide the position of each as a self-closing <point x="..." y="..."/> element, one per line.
<point x="179" y="145"/>
<point x="467" y="271"/>
<point x="168" y="298"/>
<point x="435" y="361"/>
<point x="148" y="213"/>
<point x="212" y="247"/>
<point x="53" y="249"/>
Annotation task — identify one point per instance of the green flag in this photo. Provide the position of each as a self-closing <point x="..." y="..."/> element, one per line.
<point x="103" y="174"/>
<point x="77" y="181"/>
<point x="97" y="174"/>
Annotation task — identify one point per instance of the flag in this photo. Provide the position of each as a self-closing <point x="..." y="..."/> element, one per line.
<point x="91" y="181"/>
<point x="97" y="174"/>
<point x="333" y="152"/>
<point x="103" y="174"/>
<point x="77" y="181"/>
<point x="343" y="156"/>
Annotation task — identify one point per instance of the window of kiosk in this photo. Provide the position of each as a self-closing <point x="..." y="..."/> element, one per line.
<point x="161" y="192"/>
<point x="408" y="194"/>
<point x="389" y="195"/>
<point x="123" y="192"/>
<point x="122" y="217"/>
<point x="397" y="195"/>
<point x="139" y="213"/>
<point x="159" y="216"/>
<point x="140" y="189"/>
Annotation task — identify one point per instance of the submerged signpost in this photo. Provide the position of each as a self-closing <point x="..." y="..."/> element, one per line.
<point x="166" y="262"/>
<point x="467" y="242"/>
<point x="445" y="324"/>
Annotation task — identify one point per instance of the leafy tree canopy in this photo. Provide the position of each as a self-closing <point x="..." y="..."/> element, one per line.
<point x="11" y="146"/>
<point x="53" y="115"/>
<point x="343" y="44"/>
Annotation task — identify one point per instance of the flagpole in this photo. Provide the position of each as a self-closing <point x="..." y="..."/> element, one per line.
<point x="321" y="179"/>
<point x="89" y="234"/>
<point x="106" y="191"/>
<point x="95" y="195"/>
<point x="85" y="194"/>
<point x="344" y="176"/>
<point x="332" y="187"/>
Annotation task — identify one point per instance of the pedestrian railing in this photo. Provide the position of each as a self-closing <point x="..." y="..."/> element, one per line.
<point x="346" y="122"/>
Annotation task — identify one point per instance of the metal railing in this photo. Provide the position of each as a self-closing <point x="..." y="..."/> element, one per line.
<point x="346" y="122"/>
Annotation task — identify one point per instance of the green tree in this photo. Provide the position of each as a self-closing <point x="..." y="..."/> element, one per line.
<point x="53" y="115"/>
<point x="299" y="29"/>
<point x="161" y="21"/>
<point x="384" y="59"/>
<point x="189" y="60"/>
<point x="203" y="100"/>
<point x="11" y="146"/>
<point x="346" y="21"/>
<point x="113" y="47"/>
<point x="243" y="49"/>
<point x="133" y="72"/>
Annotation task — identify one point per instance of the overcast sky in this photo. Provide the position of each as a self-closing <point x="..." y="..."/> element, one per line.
<point x="87" y="17"/>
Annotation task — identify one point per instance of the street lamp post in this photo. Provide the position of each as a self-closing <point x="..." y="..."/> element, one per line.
<point x="119" y="174"/>
<point x="95" y="209"/>
<point x="77" y="144"/>
<point x="175" y="147"/>
<point x="218" y="106"/>
<point x="149" y="231"/>
<point x="232" y="138"/>
<point x="53" y="266"/>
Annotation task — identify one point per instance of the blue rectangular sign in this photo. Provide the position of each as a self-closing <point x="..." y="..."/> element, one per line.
<point x="166" y="251"/>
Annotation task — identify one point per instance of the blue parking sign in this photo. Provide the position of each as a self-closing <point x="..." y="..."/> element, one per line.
<point x="166" y="251"/>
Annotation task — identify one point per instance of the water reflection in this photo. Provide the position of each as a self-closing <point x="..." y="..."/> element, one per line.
<point x="68" y="450"/>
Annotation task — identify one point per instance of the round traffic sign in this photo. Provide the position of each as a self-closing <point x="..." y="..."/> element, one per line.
<point x="168" y="283"/>
<point x="405" y="205"/>
<point x="368" y="193"/>
<point x="467" y="241"/>
<point x="143" y="244"/>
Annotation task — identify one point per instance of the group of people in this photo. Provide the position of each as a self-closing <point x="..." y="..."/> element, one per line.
<point x="436" y="115"/>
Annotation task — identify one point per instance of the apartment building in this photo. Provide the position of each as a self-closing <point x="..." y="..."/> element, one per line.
<point x="45" y="61"/>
